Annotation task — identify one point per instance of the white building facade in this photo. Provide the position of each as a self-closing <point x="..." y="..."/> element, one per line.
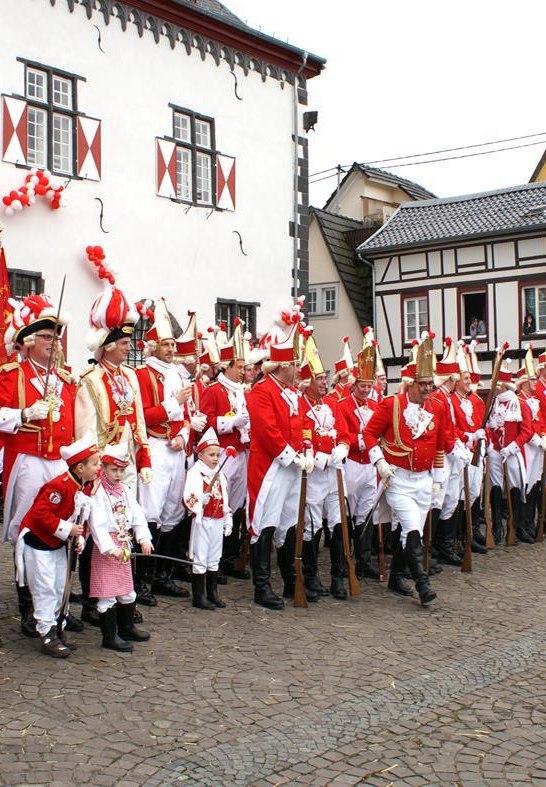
<point x="173" y="133"/>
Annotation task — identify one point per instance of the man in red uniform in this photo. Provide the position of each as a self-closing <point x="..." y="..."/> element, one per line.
<point x="36" y="418"/>
<point x="108" y="403"/>
<point x="534" y="448"/>
<point x="275" y="463"/>
<point x="224" y="405"/>
<point x="323" y="427"/>
<point x="165" y="394"/>
<point x="343" y="370"/>
<point x="355" y="411"/>
<point x="410" y="461"/>
<point x="509" y="429"/>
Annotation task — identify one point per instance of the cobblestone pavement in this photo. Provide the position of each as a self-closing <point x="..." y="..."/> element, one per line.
<point x="374" y="691"/>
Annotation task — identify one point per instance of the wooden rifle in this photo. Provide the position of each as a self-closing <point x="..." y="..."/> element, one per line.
<point x="539" y="538"/>
<point x="511" y="539"/>
<point x="300" y="599"/>
<point x="427" y="536"/>
<point x="244" y="545"/>
<point x="354" y="585"/>
<point x="381" y="552"/>
<point x="489" y="538"/>
<point x="489" y="400"/>
<point x="466" y="565"/>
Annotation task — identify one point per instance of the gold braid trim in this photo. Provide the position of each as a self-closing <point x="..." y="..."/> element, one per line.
<point x="166" y="424"/>
<point x="396" y="428"/>
<point x="105" y="431"/>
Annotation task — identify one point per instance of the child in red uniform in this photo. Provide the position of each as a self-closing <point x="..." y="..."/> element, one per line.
<point x="57" y="514"/>
<point x="212" y="520"/>
<point x="114" y="513"/>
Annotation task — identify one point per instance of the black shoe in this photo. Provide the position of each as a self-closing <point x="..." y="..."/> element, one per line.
<point x="313" y="583"/>
<point x="434" y="567"/>
<point x="338" y="564"/>
<point x="221" y="579"/>
<point x="126" y="624"/>
<point x="137" y="615"/>
<point x="212" y="590"/>
<point x="167" y="587"/>
<point x="427" y="595"/>
<point x="76" y="598"/>
<point x="144" y="596"/>
<point x="91" y="616"/>
<point x="444" y="545"/>
<point x="67" y="641"/>
<point x="110" y="637"/>
<point x="365" y="570"/>
<point x="52" y="645"/>
<point x="260" y="560"/>
<point x="478" y="537"/>
<point x="523" y="535"/>
<point x="233" y="572"/>
<point x="399" y="585"/>
<point x="28" y="626"/>
<point x="288" y="590"/>
<point x="265" y="597"/>
<point x="477" y="548"/>
<point x="414" y="557"/>
<point x="199" y="598"/>
<point x="338" y="589"/>
<point x="74" y="624"/>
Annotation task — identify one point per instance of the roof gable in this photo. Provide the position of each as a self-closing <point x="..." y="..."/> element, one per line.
<point x="432" y="222"/>
<point x="413" y="190"/>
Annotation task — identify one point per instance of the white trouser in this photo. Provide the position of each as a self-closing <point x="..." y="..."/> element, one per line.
<point x="409" y="495"/>
<point x="453" y="485"/>
<point x="361" y="480"/>
<point x="28" y="475"/>
<point x="513" y="470"/>
<point x="475" y="478"/>
<point x="45" y="570"/>
<point x="280" y="505"/>
<point x="206" y="544"/>
<point x="162" y="498"/>
<point x="322" y="501"/>
<point x="103" y="604"/>
<point x="235" y="473"/>
<point x="534" y="460"/>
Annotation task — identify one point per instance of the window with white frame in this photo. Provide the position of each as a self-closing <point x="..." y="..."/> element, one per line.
<point x="195" y="155"/>
<point x="415" y="317"/>
<point x="534" y="304"/>
<point x="52" y="109"/>
<point x="322" y="300"/>
<point x="227" y="310"/>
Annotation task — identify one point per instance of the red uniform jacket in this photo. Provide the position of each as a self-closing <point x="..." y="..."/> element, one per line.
<point x="215" y="404"/>
<point x="537" y="424"/>
<point x="519" y="432"/>
<point x="354" y="416"/>
<point x="277" y="432"/>
<point x="151" y="383"/>
<point x="322" y="424"/>
<point x="540" y="394"/>
<point x="52" y="507"/>
<point x="399" y="446"/>
<point x="452" y="432"/>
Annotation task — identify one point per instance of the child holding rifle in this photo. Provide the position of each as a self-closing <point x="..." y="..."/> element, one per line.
<point x="58" y="513"/>
<point x="114" y="513"/>
<point x="205" y="496"/>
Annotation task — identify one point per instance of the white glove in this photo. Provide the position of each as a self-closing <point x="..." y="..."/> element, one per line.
<point x="543" y="443"/>
<point x="305" y="462"/>
<point x="197" y="422"/>
<point x="82" y="507"/>
<point x="206" y="498"/>
<point x="385" y="470"/>
<point x="240" y="421"/>
<point x="338" y="455"/>
<point x="436" y="489"/>
<point x="460" y="452"/>
<point x="37" y="411"/>
<point x="479" y="434"/>
<point x="228" y="527"/>
<point x="509" y="450"/>
<point x="146" y="475"/>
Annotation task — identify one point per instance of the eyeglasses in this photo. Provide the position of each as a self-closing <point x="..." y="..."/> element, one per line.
<point x="429" y="384"/>
<point x="48" y="337"/>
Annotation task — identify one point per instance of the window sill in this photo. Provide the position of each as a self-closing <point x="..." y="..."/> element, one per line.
<point x="322" y="316"/>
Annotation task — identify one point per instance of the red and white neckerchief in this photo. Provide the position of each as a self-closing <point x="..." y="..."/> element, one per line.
<point x="54" y="387"/>
<point x="362" y="412"/>
<point x="117" y="497"/>
<point x="290" y="395"/>
<point x="122" y="392"/>
<point x="322" y="416"/>
<point x="533" y="403"/>
<point x="416" y="417"/>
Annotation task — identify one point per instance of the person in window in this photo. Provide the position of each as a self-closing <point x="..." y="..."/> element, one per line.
<point x="477" y="328"/>
<point x="529" y="324"/>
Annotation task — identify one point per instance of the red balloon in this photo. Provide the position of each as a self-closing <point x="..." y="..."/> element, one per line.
<point x="111" y="279"/>
<point x="6" y="200"/>
<point x="14" y="195"/>
<point x="88" y="250"/>
<point x="24" y="199"/>
<point x="40" y="190"/>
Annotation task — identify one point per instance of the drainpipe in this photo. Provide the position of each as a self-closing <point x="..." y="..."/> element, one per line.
<point x="372" y="267"/>
<point x="296" y="156"/>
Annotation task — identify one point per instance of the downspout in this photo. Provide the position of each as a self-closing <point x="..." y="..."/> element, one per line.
<point x="372" y="267"/>
<point x="296" y="156"/>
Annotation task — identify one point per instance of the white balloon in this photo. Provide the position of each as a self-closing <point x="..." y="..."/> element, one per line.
<point x="31" y="199"/>
<point x="9" y="211"/>
<point x="47" y="173"/>
<point x="34" y="170"/>
<point x="55" y="183"/>
<point x="35" y="180"/>
<point x="49" y="194"/>
<point x="16" y="204"/>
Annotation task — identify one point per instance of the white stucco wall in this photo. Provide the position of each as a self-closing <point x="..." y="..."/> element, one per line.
<point x="158" y="248"/>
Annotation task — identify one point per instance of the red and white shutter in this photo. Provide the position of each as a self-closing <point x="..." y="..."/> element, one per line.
<point x="89" y="148"/>
<point x="14" y="130"/>
<point x="166" y="168"/>
<point x="225" y="182"/>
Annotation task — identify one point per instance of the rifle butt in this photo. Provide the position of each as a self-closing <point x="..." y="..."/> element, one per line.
<point x="381" y="552"/>
<point x="426" y="541"/>
<point x="300" y="599"/>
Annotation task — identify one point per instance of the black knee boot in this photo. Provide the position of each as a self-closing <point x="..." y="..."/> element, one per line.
<point x="164" y="584"/>
<point x="212" y="590"/>
<point x="397" y="583"/>
<point x="310" y="566"/>
<point x="126" y="624"/>
<point x="529" y="511"/>
<point x="110" y="637"/>
<point x="285" y="562"/>
<point x="24" y="600"/>
<point x="414" y="558"/>
<point x="495" y="498"/>
<point x="517" y="513"/>
<point x="363" y="537"/>
<point x="260" y="559"/>
<point x="444" y="546"/>
<point x="337" y="558"/>
<point x="144" y="570"/>
<point x="476" y="531"/>
<point x="89" y="605"/>
<point x="199" y="596"/>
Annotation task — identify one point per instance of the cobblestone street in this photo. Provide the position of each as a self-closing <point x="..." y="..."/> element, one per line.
<point x="375" y="691"/>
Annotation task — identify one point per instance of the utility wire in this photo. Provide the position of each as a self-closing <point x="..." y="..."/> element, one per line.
<point x="435" y="152"/>
<point x="433" y="161"/>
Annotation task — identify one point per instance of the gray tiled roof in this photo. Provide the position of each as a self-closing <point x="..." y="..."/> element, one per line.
<point x="212" y="8"/>
<point x="337" y="232"/>
<point x="431" y="222"/>
<point x="412" y="189"/>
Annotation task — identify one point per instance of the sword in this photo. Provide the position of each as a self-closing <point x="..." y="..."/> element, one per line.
<point x="131" y="555"/>
<point x="54" y="343"/>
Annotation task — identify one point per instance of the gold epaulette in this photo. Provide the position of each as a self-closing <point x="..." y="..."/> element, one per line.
<point x="389" y="396"/>
<point x="87" y="371"/>
<point x="64" y="375"/>
<point x="212" y="384"/>
<point x="8" y="367"/>
<point x="307" y="434"/>
<point x="140" y="366"/>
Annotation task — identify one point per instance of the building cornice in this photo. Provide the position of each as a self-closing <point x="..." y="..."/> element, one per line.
<point x="209" y="35"/>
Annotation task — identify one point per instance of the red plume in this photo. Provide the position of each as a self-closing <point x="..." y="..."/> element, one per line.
<point x="345" y="339"/>
<point x="231" y="451"/>
<point x="432" y="334"/>
<point x="236" y="321"/>
<point x="448" y="341"/>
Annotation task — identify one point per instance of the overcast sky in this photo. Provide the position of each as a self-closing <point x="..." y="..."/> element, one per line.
<point x="408" y="77"/>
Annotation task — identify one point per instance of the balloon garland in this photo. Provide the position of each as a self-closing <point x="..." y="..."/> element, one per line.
<point x="38" y="183"/>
